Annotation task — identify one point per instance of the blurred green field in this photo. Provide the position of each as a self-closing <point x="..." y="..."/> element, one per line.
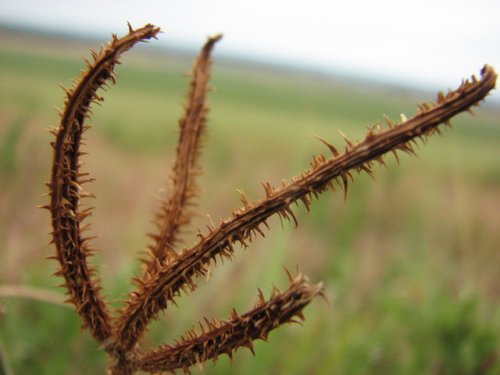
<point x="410" y="262"/>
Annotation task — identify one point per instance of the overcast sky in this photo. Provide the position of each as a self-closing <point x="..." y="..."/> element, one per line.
<point x="431" y="43"/>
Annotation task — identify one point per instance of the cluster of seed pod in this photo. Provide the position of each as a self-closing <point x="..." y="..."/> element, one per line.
<point x="168" y="271"/>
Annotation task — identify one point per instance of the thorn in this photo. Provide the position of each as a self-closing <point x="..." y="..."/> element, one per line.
<point x="249" y="345"/>
<point x="260" y="298"/>
<point x="130" y="29"/>
<point x="421" y="108"/>
<point x="440" y="97"/>
<point x="275" y="291"/>
<point x="329" y="145"/>
<point x="381" y="161"/>
<point x="243" y="198"/>
<point x="390" y="123"/>
<point x="288" y="273"/>
<point x="367" y="170"/>
<point x="234" y="315"/>
<point x="211" y="227"/>
<point x="395" y="155"/>
<point x="345" y="182"/>
<point x="267" y="188"/>
<point x="66" y="90"/>
<point x="407" y="148"/>
<point x="306" y="202"/>
<point x="257" y="228"/>
<point x="289" y="211"/>
<point x="301" y="315"/>
<point x="292" y="320"/>
<point x="349" y="143"/>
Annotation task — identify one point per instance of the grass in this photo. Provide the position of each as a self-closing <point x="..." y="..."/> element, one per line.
<point x="410" y="261"/>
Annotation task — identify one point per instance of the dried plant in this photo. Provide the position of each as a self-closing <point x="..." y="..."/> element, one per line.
<point x="168" y="271"/>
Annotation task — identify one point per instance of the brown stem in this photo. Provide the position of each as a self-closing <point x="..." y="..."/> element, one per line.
<point x="218" y="337"/>
<point x="66" y="180"/>
<point x="172" y="214"/>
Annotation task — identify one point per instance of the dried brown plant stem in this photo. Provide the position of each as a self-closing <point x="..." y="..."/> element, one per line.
<point x="172" y="215"/>
<point x="66" y="181"/>
<point x="154" y="294"/>
<point x="216" y="338"/>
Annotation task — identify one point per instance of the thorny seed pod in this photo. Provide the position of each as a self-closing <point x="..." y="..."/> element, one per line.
<point x="167" y="271"/>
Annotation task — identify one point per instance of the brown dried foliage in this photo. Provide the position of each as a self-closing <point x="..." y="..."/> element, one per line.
<point x="167" y="272"/>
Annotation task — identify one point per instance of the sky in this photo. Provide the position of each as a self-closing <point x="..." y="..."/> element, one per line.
<point x="426" y="44"/>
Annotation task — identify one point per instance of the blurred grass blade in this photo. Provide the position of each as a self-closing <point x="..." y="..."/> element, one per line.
<point x="35" y="294"/>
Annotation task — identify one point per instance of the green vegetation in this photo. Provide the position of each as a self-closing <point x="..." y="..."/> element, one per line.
<point x="410" y="261"/>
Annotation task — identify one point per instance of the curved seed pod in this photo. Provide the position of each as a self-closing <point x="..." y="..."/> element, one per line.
<point x="66" y="184"/>
<point x="155" y="293"/>
<point x="172" y="214"/>
<point x="224" y="337"/>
